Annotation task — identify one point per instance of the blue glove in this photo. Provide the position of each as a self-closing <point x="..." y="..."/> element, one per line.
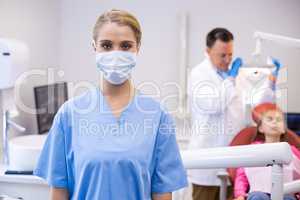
<point x="274" y="75"/>
<point x="234" y="70"/>
<point x="277" y="67"/>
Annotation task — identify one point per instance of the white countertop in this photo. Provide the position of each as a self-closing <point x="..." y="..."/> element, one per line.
<point x="30" y="179"/>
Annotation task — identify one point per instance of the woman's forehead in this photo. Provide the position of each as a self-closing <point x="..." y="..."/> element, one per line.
<point x="114" y="31"/>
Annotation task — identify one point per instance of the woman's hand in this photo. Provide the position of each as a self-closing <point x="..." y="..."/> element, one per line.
<point x="165" y="196"/>
<point x="59" y="194"/>
<point x="240" y="198"/>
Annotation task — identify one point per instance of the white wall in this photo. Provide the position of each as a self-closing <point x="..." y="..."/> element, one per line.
<point x="37" y="23"/>
<point x="159" y="56"/>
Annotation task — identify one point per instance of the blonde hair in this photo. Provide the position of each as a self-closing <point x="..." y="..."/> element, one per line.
<point x="119" y="17"/>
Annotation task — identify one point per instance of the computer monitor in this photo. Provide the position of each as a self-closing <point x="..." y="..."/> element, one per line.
<point x="293" y="122"/>
<point x="48" y="99"/>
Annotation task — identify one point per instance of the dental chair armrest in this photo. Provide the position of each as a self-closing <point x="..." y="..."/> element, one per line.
<point x="291" y="187"/>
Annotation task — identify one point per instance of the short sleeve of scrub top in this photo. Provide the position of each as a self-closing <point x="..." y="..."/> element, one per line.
<point x="94" y="155"/>
<point x="54" y="162"/>
<point x="168" y="162"/>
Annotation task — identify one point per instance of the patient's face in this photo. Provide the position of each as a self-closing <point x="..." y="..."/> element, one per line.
<point x="272" y="123"/>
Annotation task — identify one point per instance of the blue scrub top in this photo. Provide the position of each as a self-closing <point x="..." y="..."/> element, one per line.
<point x="95" y="155"/>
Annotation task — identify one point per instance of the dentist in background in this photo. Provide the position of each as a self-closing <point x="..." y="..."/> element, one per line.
<point x="214" y="115"/>
<point x="216" y="107"/>
<point x="124" y="147"/>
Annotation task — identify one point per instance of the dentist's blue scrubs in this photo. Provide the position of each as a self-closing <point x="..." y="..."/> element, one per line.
<point x="95" y="155"/>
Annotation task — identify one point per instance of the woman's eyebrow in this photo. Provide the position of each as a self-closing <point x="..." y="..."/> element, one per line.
<point x="104" y="41"/>
<point x="128" y="41"/>
<point x="124" y="41"/>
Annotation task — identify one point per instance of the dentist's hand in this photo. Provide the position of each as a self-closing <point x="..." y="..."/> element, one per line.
<point x="234" y="70"/>
<point x="278" y="66"/>
<point x="274" y="75"/>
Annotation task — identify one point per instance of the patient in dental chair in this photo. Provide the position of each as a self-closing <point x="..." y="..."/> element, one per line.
<point x="254" y="183"/>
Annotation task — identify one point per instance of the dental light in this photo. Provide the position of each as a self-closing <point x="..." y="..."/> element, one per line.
<point x="279" y="39"/>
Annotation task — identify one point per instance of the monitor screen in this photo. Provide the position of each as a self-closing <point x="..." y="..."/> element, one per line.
<point x="48" y="99"/>
<point x="293" y="122"/>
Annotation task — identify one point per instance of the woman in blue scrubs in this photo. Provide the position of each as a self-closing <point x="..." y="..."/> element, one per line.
<point x="112" y="142"/>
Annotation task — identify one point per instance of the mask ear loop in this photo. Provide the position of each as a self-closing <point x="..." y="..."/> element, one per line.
<point x="101" y="76"/>
<point x="101" y="80"/>
<point x="132" y="89"/>
<point x="94" y="45"/>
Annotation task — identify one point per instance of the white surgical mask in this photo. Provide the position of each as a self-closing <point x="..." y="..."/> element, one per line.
<point x="116" y="65"/>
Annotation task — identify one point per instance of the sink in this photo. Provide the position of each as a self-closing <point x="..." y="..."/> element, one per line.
<point x="5" y="197"/>
<point x="24" y="151"/>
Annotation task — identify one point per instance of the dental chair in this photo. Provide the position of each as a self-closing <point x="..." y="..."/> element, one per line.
<point x="245" y="137"/>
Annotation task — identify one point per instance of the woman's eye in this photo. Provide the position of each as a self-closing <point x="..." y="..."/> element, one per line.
<point x="106" y="46"/>
<point x="126" y="46"/>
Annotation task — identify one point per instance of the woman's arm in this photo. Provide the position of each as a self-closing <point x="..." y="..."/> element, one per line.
<point x="165" y="196"/>
<point x="59" y="194"/>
